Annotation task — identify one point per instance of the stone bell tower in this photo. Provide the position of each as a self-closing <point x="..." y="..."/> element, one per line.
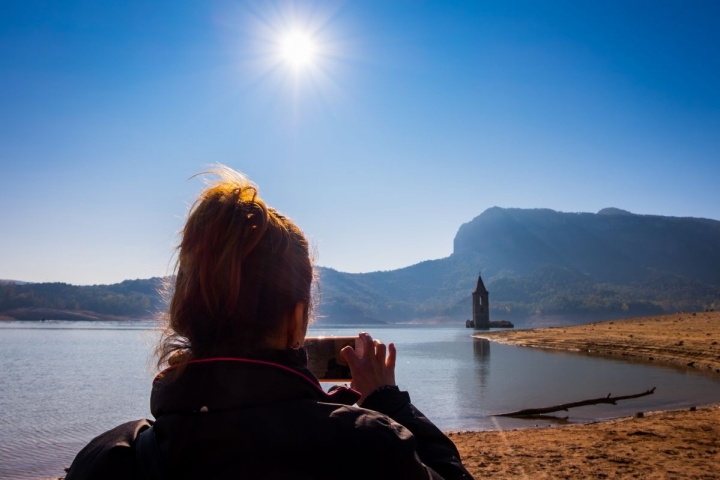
<point x="481" y="306"/>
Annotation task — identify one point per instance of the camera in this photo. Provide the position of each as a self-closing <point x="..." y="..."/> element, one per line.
<point x="324" y="359"/>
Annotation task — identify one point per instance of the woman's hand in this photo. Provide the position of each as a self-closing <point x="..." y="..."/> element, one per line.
<point x="370" y="369"/>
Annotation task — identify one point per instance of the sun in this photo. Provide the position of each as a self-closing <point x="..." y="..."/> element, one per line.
<point x="302" y="52"/>
<point x="297" y="49"/>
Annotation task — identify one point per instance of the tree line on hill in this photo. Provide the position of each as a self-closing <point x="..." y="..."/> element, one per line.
<point x="131" y="298"/>
<point x="547" y="292"/>
<point x="537" y="262"/>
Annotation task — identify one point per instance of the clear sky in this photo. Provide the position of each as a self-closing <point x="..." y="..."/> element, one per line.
<point x="408" y="119"/>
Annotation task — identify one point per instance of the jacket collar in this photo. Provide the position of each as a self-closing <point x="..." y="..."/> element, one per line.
<point x="230" y="383"/>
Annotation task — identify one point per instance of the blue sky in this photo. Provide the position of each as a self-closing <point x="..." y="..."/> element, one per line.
<point x="414" y="118"/>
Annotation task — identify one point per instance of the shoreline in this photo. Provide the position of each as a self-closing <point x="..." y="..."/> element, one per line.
<point x="683" y="443"/>
<point x="689" y="340"/>
<point x="70" y="316"/>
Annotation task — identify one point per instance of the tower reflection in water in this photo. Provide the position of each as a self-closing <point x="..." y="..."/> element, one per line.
<point x="481" y="350"/>
<point x="481" y="347"/>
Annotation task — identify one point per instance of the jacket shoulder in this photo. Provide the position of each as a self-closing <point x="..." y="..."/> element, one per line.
<point x="110" y="455"/>
<point x="371" y="430"/>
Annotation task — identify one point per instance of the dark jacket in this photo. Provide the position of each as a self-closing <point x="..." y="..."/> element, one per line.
<point x="260" y="419"/>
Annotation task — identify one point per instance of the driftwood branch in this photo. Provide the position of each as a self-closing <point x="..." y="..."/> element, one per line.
<point x="529" y="412"/>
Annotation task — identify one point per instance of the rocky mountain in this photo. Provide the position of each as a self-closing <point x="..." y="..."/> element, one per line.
<point x="539" y="263"/>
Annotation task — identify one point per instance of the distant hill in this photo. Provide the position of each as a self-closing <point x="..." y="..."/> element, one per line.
<point x="539" y="263"/>
<point x="61" y="301"/>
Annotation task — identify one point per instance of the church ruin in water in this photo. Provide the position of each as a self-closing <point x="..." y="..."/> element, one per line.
<point x="481" y="310"/>
<point x="480" y="307"/>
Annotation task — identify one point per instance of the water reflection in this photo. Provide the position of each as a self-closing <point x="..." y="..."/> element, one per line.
<point x="481" y="349"/>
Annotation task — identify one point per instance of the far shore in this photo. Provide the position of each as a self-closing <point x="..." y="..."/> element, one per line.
<point x="668" y="444"/>
<point x="39" y="314"/>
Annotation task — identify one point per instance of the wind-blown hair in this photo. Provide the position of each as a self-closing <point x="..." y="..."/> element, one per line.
<point x="241" y="269"/>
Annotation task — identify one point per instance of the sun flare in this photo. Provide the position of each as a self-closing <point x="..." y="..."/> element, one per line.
<point x="297" y="49"/>
<point x="301" y="53"/>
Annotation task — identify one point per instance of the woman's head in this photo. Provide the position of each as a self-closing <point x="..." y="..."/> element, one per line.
<point x="243" y="272"/>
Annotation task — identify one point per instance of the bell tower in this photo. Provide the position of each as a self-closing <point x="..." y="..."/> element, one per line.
<point x="481" y="306"/>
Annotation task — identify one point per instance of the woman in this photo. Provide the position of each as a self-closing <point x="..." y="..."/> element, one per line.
<point x="237" y="399"/>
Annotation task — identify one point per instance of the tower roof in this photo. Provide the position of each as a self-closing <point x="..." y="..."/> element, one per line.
<point x="480" y="288"/>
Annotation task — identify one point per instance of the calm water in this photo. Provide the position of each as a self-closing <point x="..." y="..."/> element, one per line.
<point x="62" y="383"/>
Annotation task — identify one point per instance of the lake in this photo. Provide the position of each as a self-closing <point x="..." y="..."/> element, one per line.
<point x="62" y="383"/>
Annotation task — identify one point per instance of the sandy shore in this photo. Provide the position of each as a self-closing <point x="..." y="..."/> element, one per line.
<point x="678" y="444"/>
<point x="688" y="339"/>
<point x="672" y="444"/>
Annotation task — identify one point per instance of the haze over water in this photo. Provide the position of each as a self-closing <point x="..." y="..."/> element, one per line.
<point x="66" y="382"/>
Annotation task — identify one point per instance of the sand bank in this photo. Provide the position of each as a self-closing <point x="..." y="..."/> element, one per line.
<point x="672" y="444"/>
<point x="676" y="444"/>
<point x="689" y="339"/>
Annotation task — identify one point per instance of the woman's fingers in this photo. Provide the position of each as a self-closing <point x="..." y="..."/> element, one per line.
<point x="368" y="345"/>
<point x="348" y="354"/>
<point x="390" y="362"/>
<point x="379" y="351"/>
<point x="372" y="364"/>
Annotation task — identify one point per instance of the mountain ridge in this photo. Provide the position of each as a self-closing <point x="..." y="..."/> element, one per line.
<point x="537" y="264"/>
<point x="543" y="262"/>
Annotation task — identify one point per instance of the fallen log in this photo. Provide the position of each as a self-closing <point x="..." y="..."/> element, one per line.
<point x="529" y="412"/>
